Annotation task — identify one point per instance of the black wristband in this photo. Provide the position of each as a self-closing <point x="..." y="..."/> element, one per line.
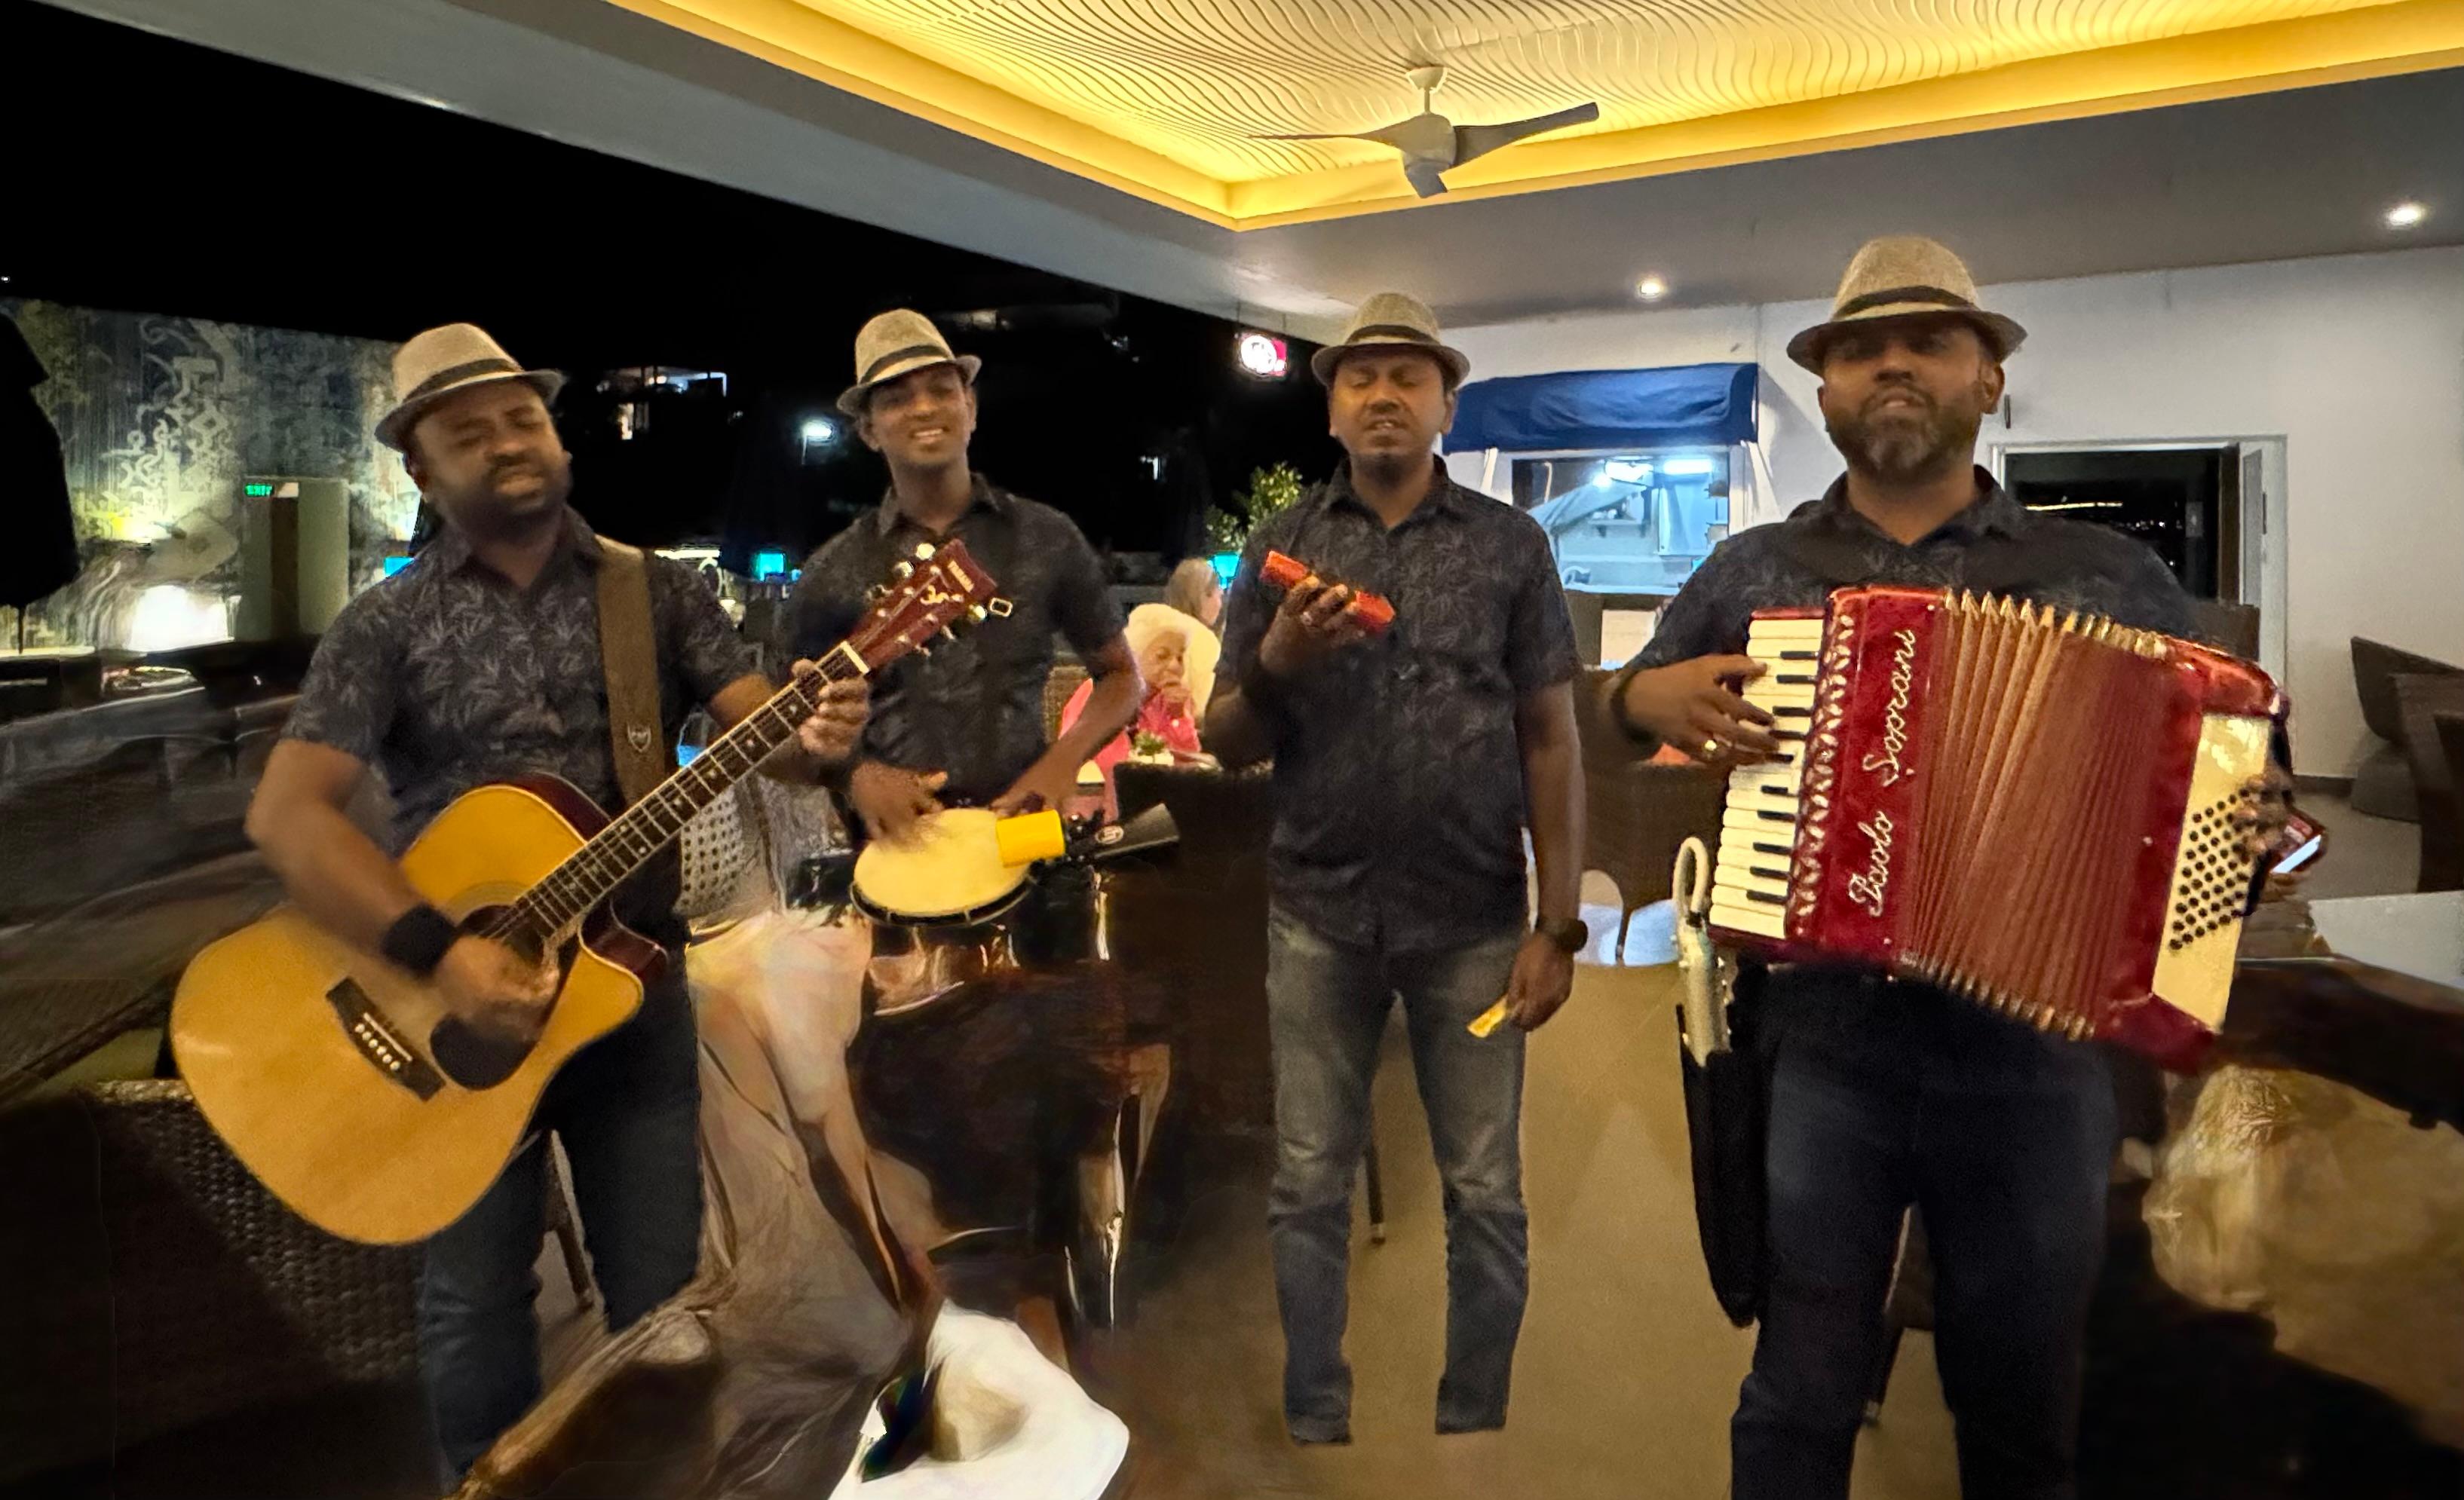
<point x="418" y="940"/>
<point x="1643" y="738"/>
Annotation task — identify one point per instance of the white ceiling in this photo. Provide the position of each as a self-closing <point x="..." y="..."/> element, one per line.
<point x="1199" y="82"/>
<point x="2274" y="176"/>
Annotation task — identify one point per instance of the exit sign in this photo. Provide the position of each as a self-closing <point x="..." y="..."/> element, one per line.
<point x="258" y="490"/>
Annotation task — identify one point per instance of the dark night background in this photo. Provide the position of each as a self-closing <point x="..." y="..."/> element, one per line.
<point x="272" y="198"/>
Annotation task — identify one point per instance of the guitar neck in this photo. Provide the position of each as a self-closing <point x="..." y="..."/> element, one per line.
<point x="590" y="873"/>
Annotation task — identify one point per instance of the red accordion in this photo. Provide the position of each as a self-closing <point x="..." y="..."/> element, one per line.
<point x="2027" y="807"/>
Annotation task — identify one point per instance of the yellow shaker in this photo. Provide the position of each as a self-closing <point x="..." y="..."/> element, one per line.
<point x="1028" y="838"/>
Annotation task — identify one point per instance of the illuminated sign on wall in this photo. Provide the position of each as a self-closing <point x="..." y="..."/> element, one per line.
<point x="1263" y="356"/>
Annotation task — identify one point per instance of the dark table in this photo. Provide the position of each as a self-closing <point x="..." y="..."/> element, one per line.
<point x="2368" y="991"/>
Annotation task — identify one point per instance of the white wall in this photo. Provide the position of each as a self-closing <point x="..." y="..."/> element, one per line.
<point x="2355" y="361"/>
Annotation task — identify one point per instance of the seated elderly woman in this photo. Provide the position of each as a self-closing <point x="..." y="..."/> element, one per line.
<point x="1177" y="656"/>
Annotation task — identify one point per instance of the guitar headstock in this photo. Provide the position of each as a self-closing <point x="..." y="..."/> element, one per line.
<point x="934" y="593"/>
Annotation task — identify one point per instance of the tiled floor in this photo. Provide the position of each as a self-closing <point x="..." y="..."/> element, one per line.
<point x="1627" y="1372"/>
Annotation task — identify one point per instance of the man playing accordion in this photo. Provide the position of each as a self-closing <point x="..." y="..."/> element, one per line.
<point x="1886" y="1093"/>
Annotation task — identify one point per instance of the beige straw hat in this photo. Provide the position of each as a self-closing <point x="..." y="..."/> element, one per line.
<point x="1387" y="319"/>
<point x="442" y="360"/>
<point x="898" y="343"/>
<point x="1905" y="276"/>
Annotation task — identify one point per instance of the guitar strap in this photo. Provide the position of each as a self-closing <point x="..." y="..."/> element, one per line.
<point x="628" y="648"/>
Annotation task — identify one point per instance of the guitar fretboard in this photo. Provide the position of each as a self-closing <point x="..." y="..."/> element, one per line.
<point x="591" y="873"/>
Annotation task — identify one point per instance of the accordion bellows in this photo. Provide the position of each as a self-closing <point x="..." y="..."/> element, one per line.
<point x="2028" y="807"/>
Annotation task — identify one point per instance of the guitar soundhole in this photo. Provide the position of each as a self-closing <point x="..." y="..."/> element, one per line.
<point x="474" y="1059"/>
<point x="477" y="1057"/>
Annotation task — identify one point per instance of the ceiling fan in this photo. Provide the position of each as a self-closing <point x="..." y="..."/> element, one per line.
<point x="1432" y="144"/>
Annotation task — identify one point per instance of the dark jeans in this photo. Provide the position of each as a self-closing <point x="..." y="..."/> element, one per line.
<point x="1327" y="1005"/>
<point x="1885" y="1094"/>
<point x="628" y="1110"/>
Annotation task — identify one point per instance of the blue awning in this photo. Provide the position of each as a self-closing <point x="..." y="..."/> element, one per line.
<point x="1680" y="407"/>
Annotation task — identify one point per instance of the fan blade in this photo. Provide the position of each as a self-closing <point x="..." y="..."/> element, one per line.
<point x="1473" y="140"/>
<point x="1422" y="174"/>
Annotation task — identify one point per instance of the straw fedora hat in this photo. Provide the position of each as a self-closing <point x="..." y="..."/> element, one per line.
<point x="442" y="360"/>
<point x="898" y="343"/>
<point x="1905" y="276"/>
<point x="1385" y="320"/>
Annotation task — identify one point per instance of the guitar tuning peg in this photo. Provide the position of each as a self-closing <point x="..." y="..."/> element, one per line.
<point x="903" y="571"/>
<point x="977" y="613"/>
<point x="923" y="551"/>
<point x="877" y="594"/>
<point x="922" y="649"/>
<point x="947" y="633"/>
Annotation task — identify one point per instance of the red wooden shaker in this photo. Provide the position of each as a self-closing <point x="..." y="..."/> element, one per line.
<point x="1371" y="612"/>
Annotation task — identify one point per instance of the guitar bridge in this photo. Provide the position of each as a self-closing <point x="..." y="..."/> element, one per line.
<point x="377" y="1043"/>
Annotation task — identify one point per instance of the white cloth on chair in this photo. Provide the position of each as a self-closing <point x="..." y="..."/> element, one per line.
<point x="1007" y="1424"/>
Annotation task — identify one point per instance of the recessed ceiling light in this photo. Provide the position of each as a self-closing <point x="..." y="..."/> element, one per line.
<point x="1651" y="289"/>
<point x="2405" y="215"/>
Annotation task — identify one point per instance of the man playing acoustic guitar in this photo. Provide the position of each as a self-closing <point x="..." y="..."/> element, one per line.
<point x="481" y="663"/>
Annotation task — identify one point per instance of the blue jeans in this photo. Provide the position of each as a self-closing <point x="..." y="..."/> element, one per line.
<point x="1885" y="1094"/>
<point x="1327" y="1004"/>
<point x="628" y="1110"/>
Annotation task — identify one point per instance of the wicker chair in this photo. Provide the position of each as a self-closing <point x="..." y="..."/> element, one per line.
<point x="2421" y="701"/>
<point x="153" y="1285"/>
<point x="149" y="795"/>
<point x="1635" y="813"/>
<point x="1062" y="682"/>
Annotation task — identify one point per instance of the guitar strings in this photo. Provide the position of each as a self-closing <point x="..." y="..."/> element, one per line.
<point x="588" y="875"/>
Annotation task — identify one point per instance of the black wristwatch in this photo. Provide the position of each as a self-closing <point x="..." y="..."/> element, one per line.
<point x="1570" y="935"/>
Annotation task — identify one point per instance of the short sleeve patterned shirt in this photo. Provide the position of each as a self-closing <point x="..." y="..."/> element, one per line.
<point x="1398" y="773"/>
<point x="446" y="676"/>
<point x="973" y="709"/>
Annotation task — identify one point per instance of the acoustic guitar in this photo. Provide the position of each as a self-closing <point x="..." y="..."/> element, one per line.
<point x="348" y="1087"/>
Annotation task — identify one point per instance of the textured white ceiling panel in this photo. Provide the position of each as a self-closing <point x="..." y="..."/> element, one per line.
<point x="1195" y="79"/>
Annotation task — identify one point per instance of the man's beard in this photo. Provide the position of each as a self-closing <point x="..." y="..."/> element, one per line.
<point x="482" y="510"/>
<point x="1393" y="464"/>
<point x="1898" y="450"/>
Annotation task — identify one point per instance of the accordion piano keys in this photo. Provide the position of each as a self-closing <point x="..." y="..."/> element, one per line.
<point x="1758" y="828"/>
